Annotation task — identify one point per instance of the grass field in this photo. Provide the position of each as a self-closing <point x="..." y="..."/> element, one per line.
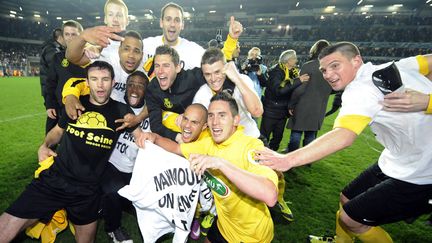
<point x="313" y="191"/>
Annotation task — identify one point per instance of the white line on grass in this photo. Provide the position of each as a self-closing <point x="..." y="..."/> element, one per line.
<point x="21" y="117"/>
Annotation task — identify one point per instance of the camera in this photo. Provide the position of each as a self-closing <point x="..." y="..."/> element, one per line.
<point x="253" y="65"/>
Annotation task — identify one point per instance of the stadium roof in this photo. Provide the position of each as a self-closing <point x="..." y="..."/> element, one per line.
<point x="39" y="10"/>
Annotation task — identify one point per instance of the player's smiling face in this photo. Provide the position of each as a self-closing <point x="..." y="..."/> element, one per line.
<point x="135" y="90"/>
<point x="100" y="83"/>
<point x="192" y="124"/>
<point x="171" y="24"/>
<point x="130" y="53"/>
<point x="165" y="70"/>
<point x="116" y="16"/>
<point x="214" y="75"/>
<point x="339" y="70"/>
<point x="221" y="122"/>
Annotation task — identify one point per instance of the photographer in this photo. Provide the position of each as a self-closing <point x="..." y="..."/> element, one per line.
<point x="255" y="69"/>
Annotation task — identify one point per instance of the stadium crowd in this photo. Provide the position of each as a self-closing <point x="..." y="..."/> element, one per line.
<point x="223" y="114"/>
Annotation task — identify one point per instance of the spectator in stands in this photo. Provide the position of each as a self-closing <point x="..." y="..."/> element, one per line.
<point x="54" y="45"/>
<point x="308" y="102"/>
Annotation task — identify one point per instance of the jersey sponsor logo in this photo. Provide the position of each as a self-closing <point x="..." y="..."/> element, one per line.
<point x="216" y="185"/>
<point x="85" y="129"/>
<point x="65" y="63"/>
<point x="167" y="103"/>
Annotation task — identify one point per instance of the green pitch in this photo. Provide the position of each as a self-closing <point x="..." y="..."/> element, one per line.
<point x="313" y="191"/>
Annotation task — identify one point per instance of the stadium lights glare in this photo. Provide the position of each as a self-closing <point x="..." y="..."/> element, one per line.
<point x="335" y="13"/>
<point x="20" y="8"/>
<point x="364" y="13"/>
<point x="297" y="4"/>
<point x="359" y="2"/>
<point x="79" y="18"/>
<point x="428" y="1"/>
<point x="36" y="16"/>
<point x="12" y="15"/>
<point x="212" y="11"/>
<point x="241" y="6"/>
<point x="193" y="9"/>
<point x="132" y="17"/>
<point x="186" y="14"/>
<point x="97" y="17"/>
<point x="394" y="12"/>
<point x="331" y="7"/>
<point x="47" y="12"/>
<point x="59" y="18"/>
<point x="368" y="6"/>
<point x="20" y="17"/>
<point x="12" y="12"/>
<point x="398" y="5"/>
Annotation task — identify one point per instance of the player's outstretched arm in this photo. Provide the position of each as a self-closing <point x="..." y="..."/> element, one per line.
<point x="256" y="186"/>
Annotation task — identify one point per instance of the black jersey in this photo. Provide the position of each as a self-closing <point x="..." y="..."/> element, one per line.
<point x="87" y="143"/>
<point x="60" y="72"/>
<point x="176" y="99"/>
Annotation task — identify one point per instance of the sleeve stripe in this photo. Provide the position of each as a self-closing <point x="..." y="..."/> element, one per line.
<point x="355" y="123"/>
<point x="423" y="64"/>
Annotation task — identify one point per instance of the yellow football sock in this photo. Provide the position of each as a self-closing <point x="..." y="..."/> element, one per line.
<point x="281" y="186"/>
<point x="343" y="235"/>
<point x="375" y="235"/>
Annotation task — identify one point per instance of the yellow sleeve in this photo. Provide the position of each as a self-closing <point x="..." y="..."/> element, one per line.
<point x="423" y="64"/>
<point x="355" y="123"/>
<point x="229" y="46"/>
<point x="76" y="87"/>
<point x="197" y="147"/>
<point x="429" y="107"/>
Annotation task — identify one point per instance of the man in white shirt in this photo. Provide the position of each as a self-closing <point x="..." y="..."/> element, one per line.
<point x="399" y="186"/>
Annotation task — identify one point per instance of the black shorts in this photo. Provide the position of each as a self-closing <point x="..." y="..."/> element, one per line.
<point x="49" y="193"/>
<point x="214" y="235"/>
<point x="376" y="199"/>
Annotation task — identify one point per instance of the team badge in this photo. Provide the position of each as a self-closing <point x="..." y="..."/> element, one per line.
<point x="167" y="103"/>
<point x="251" y="157"/>
<point x="65" y="62"/>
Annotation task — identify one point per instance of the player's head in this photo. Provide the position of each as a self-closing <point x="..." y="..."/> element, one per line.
<point x="100" y="79"/>
<point x="194" y="121"/>
<point x="136" y="86"/>
<point x="171" y="22"/>
<point x="213" y="65"/>
<point x="288" y="58"/>
<point x="70" y="30"/>
<point x="223" y="117"/>
<point x="339" y="64"/>
<point x="166" y="66"/>
<point x="57" y="35"/>
<point x="316" y="48"/>
<point x="131" y="51"/>
<point x="116" y="14"/>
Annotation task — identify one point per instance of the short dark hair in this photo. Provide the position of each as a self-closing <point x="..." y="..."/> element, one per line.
<point x="57" y="32"/>
<point x="74" y="24"/>
<point x="101" y="65"/>
<point x="317" y="47"/>
<point x="224" y="96"/>
<point x="134" y="34"/>
<point x="139" y="74"/>
<point x="167" y="50"/>
<point x="212" y="55"/>
<point x="347" y="49"/>
<point x="172" y="5"/>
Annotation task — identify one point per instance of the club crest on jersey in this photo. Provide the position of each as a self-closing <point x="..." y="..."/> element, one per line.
<point x="251" y="157"/>
<point x="65" y="62"/>
<point x="216" y="185"/>
<point x="167" y="103"/>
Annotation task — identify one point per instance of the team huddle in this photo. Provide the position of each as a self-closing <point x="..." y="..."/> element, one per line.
<point x="154" y="124"/>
